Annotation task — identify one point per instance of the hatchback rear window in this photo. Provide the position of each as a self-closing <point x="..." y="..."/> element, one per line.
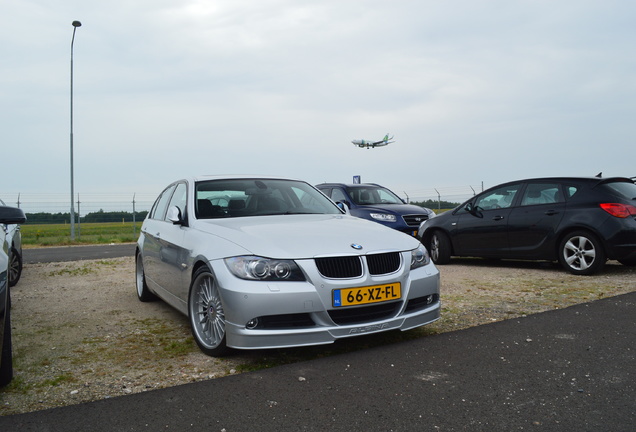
<point x="624" y="190"/>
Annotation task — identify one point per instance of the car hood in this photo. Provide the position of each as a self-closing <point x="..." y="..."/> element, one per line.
<point x="399" y="209"/>
<point x="307" y="236"/>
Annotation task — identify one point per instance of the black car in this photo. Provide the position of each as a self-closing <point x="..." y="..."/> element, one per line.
<point x="8" y="216"/>
<point x="377" y="203"/>
<point x="581" y="222"/>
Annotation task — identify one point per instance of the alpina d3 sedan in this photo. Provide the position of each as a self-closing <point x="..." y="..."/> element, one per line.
<point x="581" y="222"/>
<point x="260" y="262"/>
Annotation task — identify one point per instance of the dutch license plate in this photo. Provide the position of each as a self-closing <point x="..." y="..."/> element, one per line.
<point x="366" y="295"/>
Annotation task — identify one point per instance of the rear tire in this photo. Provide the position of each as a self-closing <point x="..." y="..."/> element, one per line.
<point x="581" y="253"/>
<point x="143" y="293"/>
<point x="439" y="247"/>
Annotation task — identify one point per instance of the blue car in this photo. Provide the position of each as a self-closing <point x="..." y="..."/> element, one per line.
<point x="376" y="203"/>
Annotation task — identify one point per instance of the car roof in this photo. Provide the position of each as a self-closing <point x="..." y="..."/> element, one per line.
<point x="239" y="176"/>
<point x="577" y="179"/>
<point x="350" y="184"/>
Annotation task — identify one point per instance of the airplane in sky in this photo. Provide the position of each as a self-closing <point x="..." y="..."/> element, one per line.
<point x="372" y="144"/>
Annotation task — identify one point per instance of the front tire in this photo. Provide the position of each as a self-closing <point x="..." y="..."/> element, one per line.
<point x="15" y="267"/>
<point x="581" y="253"/>
<point x="439" y="247"/>
<point x="206" y="313"/>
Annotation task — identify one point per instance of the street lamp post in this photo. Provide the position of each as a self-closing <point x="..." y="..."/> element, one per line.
<point x="75" y="24"/>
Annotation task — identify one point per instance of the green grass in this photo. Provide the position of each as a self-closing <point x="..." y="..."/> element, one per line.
<point x="86" y="233"/>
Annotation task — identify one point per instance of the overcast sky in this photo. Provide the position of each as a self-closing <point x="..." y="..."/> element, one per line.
<point x="474" y="91"/>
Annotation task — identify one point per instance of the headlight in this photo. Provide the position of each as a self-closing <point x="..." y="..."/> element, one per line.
<point x="419" y="257"/>
<point x="264" y="269"/>
<point x="384" y="217"/>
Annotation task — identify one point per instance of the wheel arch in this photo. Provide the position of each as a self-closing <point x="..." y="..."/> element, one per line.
<point x="426" y="238"/>
<point x="197" y="265"/>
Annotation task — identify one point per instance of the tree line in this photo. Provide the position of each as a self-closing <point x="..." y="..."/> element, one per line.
<point x="434" y="204"/>
<point x="94" y="217"/>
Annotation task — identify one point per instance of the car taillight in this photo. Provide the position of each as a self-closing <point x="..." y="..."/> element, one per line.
<point x="619" y="210"/>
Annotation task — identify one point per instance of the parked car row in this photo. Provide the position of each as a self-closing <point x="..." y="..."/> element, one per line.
<point x="267" y="262"/>
<point x="580" y="222"/>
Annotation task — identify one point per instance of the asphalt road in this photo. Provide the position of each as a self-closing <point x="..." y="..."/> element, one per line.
<point x="563" y="370"/>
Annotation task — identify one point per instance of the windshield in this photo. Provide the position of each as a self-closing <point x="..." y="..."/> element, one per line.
<point x="373" y="195"/>
<point x="258" y="197"/>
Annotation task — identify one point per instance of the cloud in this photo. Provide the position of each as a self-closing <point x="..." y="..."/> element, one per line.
<point x="473" y="91"/>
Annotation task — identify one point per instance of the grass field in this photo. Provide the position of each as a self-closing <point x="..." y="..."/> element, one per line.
<point x="86" y="233"/>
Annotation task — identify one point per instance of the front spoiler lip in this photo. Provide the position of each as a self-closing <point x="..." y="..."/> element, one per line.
<point x="241" y="338"/>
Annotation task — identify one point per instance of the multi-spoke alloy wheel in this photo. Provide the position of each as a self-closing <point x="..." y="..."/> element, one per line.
<point x="207" y="317"/>
<point x="581" y="253"/>
<point x="15" y="267"/>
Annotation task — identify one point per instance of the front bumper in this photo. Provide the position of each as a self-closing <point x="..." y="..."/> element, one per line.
<point x="314" y="321"/>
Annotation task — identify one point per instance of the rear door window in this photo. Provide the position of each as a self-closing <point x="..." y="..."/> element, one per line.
<point x="542" y="193"/>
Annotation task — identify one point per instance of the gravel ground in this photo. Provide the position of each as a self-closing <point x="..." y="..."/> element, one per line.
<point x="80" y="334"/>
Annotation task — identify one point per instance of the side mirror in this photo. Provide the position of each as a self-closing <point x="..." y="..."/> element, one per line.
<point x="342" y="205"/>
<point x="473" y="210"/>
<point x="174" y="216"/>
<point x="11" y="215"/>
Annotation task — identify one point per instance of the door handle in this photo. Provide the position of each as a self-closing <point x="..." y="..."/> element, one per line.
<point x="551" y="212"/>
<point x="498" y="218"/>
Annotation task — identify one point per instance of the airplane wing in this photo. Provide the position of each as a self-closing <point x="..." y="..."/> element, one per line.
<point x="384" y="141"/>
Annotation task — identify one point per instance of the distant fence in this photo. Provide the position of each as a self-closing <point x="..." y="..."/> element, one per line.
<point x="83" y="204"/>
<point x="448" y="194"/>
<point x="136" y="203"/>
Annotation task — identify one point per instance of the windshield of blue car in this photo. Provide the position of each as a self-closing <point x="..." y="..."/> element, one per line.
<point x="372" y="195"/>
<point x="258" y="197"/>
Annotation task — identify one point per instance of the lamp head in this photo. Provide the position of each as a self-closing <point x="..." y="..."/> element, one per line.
<point x="76" y="24"/>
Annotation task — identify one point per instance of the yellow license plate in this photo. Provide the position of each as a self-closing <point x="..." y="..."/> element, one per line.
<point x="366" y="295"/>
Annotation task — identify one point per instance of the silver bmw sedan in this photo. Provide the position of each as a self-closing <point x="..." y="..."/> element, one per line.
<point x="265" y="262"/>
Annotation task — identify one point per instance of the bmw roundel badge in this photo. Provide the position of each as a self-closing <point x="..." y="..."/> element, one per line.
<point x="356" y="246"/>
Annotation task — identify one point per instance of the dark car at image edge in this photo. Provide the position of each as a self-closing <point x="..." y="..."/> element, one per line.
<point x="8" y="216"/>
<point x="579" y="221"/>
